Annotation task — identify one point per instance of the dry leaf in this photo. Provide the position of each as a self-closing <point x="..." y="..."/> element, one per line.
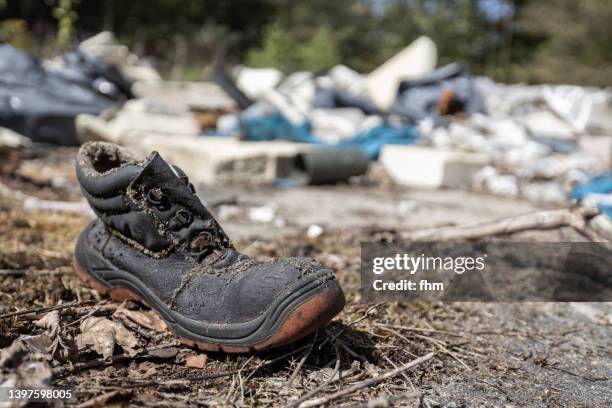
<point x="148" y="319"/>
<point x="51" y="322"/>
<point x="102" y="334"/>
<point x="39" y="344"/>
<point x="196" y="360"/>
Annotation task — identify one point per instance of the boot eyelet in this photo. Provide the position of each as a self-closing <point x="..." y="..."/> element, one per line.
<point x="181" y="219"/>
<point x="184" y="217"/>
<point x="155" y="196"/>
<point x="200" y="242"/>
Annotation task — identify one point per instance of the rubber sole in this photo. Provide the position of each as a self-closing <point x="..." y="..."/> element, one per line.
<point x="297" y="322"/>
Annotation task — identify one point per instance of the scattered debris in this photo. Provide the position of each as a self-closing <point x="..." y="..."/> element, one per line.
<point x="414" y="166"/>
<point x="413" y="62"/>
<point x="104" y="46"/>
<point x="42" y="103"/>
<point x="11" y="148"/>
<point x="314" y="231"/>
<point x="448" y="90"/>
<point x="255" y="82"/>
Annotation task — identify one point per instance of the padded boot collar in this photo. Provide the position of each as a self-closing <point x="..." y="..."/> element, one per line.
<point x="104" y="168"/>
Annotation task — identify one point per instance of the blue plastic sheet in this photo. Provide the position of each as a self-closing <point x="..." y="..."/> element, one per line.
<point x="276" y="127"/>
<point x="598" y="185"/>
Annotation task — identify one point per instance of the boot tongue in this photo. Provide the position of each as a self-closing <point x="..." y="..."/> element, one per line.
<point x="203" y="233"/>
<point x="158" y="174"/>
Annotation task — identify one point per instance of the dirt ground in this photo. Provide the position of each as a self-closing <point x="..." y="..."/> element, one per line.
<point x="486" y="354"/>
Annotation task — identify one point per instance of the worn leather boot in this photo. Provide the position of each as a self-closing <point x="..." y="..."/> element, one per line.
<point x="154" y="241"/>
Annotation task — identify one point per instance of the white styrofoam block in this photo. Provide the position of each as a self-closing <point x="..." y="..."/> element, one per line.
<point x="415" y="166"/>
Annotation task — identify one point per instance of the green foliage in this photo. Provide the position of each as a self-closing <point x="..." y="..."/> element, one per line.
<point x="458" y="28"/>
<point x="281" y="50"/>
<point x="66" y="17"/>
<point x="552" y="41"/>
<point x="278" y="50"/>
<point x="320" y="51"/>
<point x="15" y="31"/>
<point x="567" y="42"/>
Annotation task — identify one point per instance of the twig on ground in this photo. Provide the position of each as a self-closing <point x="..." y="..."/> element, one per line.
<point x="586" y="377"/>
<point x="418" y="329"/>
<point x="350" y="351"/>
<point x="101" y="400"/>
<point x="403" y="374"/>
<point x="16" y="273"/>
<point x="366" y="383"/>
<point x="184" y="381"/>
<point x="327" y="382"/>
<point x="274" y="360"/>
<point x="302" y="361"/>
<point x="339" y="332"/>
<point x="576" y="218"/>
<point x="63" y="370"/>
<point x="441" y="345"/>
<point x="46" y="309"/>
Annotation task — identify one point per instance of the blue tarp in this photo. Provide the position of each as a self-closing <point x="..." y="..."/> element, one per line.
<point x="276" y="127"/>
<point x="598" y="185"/>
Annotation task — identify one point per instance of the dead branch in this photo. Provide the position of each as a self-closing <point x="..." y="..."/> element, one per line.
<point x="576" y="218"/>
<point x="339" y="332"/>
<point x="367" y="383"/>
<point x="46" y="309"/>
<point x="302" y="361"/>
<point x="15" y="273"/>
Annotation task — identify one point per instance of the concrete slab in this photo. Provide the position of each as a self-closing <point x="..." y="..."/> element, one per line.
<point x="218" y="160"/>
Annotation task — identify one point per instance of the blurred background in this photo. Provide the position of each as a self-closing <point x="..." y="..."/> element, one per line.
<point x="558" y="41"/>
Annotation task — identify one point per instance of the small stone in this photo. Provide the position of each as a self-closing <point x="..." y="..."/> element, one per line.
<point x="196" y="360"/>
<point x="314" y="231"/>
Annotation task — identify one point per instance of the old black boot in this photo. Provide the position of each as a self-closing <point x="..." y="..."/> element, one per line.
<point x="155" y="241"/>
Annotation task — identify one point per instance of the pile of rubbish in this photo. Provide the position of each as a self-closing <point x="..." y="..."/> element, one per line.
<point x="42" y="103"/>
<point x="427" y="126"/>
<point x="459" y="131"/>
